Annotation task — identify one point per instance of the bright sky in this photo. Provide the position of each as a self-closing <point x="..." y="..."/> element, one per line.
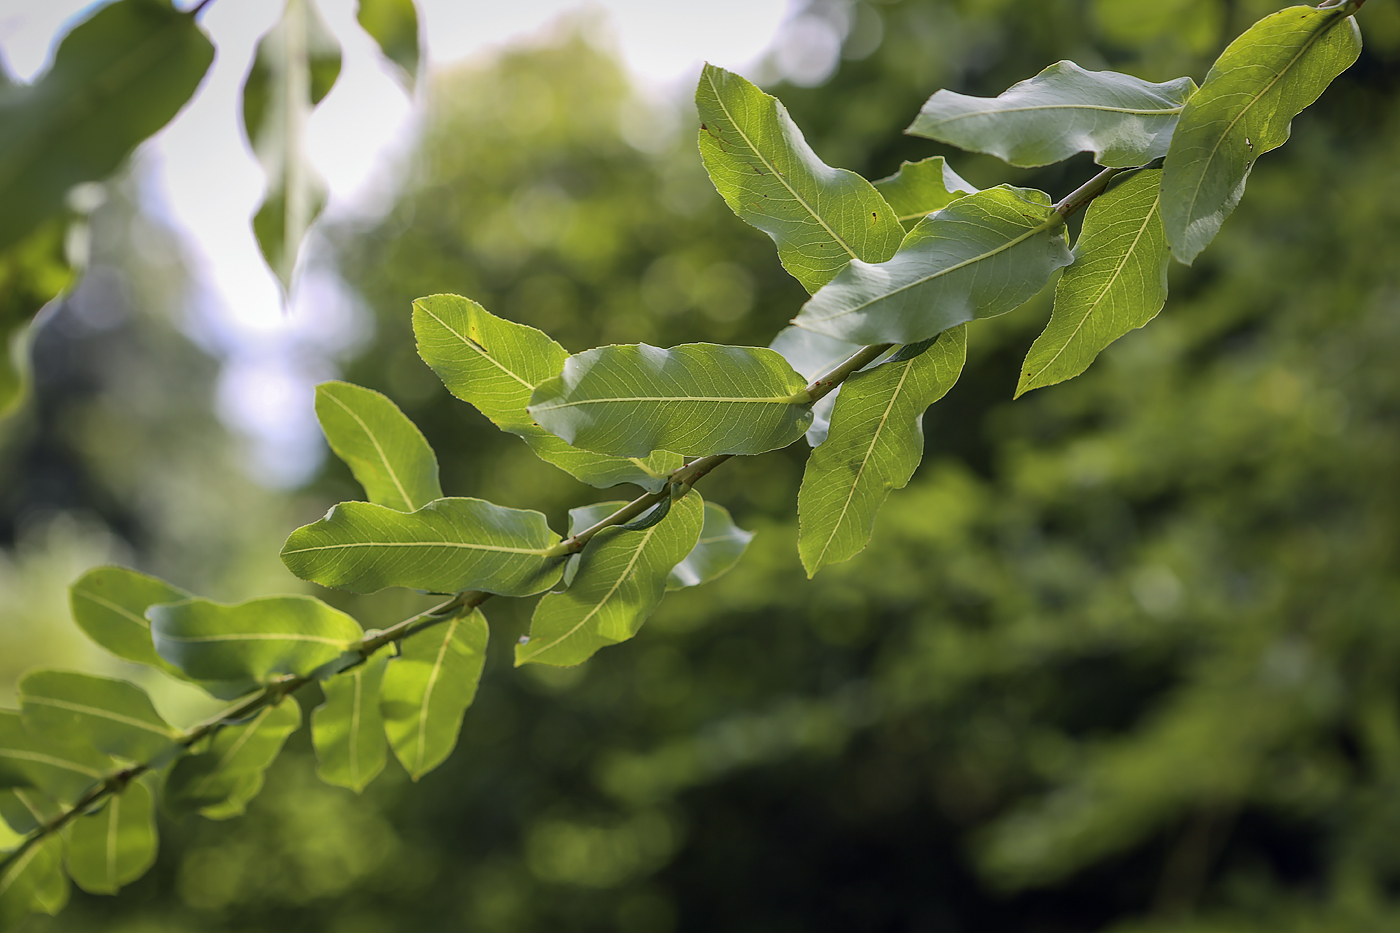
<point x="203" y="179"/>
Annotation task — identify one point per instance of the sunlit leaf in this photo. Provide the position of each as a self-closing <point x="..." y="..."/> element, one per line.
<point x="448" y="546"/>
<point x="428" y="688"/>
<point x="812" y="354"/>
<point x="1122" y="120"/>
<point x="695" y="399"/>
<point x="983" y="255"/>
<point x="258" y="640"/>
<point x="620" y="579"/>
<point x="386" y="452"/>
<point x="394" y="25"/>
<point x="719" y="548"/>
<point x="54" y="764"/>
<point x="1118" y="282"/>
<point x="347" y="729"/>
<point x="1245" y="108"/>
<point x="820" y="217"/>
<point x="920" y="188"/>
<point x="33" y="883"/>
<point x="875" y="444"/>
<point x="114" y="846"/>
<point x="116" y="78"/>
<point x="219" y="782"/>
<point x="113" y="716"/>
<point x="109" y="604"/>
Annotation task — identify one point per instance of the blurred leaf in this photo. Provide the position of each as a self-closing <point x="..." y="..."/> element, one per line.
<point x="387" y="453"/>
<point x="494" y="365"/>
<point x="448" y="546"/>
<point x="1117" y="282"/>
<point x="1245" y="108"/>
<point x="258" y="640"/>
<point x="347" y="729"/>
<point x="428" y="688"/>
<point x="116" y="78"/>
<point x="220" y="781"/>
<point x="33" y="272"/>
<point x="719" y="548"/>
<point x="54" y="764"/>
<point x="113" y="716"/>
<point x="24" y="809"/>
<point x="114" y="846"/>
<point x="295" y="66"/>
<point x="33" y="882"/>
<point x="394" y="25"/>
<point x="695" y="399"/>
<point x="620" y="580"/>
<point x="875" y="444"/>
<point x="1141" y="23"/>
<point x="812" y="354"/>
<point x="1122" y="120"/>
<point x="820" y="217"/>
<point x="920" y="188"/>
<point x="983" y="255"/>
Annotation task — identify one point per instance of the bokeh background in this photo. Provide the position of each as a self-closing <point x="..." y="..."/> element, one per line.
<point x="1124" y="656"/>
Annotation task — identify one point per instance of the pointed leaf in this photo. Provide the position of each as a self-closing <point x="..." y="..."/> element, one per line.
<point x="387" y="453"/>
<point x="109" y="604"/>
<point x="347" y="729"/>
<point x="719" y="548"/>
<point x="1245" y="107"/>
<point x="695" y="399"/>
<point x="33" y="882"/>
<point x="812" y="354"/>
<point x="876" y="443"/>
<point x="1118" y="282"/>
<point x="983" y="255"/>
<point x="495" y="364"/>
<point x="621" y="578"/>
<point x="113" y="716"/>
<point x="221" y="780"/>
<point x="920" y="188"/>
<point x="114" y="846"/>
<point x="119" y="76"/>
<point x="1122" y="120"/>
<point x="24" y="808"/>
<point x="394" y="25"/>
<point x="820" y="217"/>
<point x="449" y="546"/>
<point x="54" y="764"/>
<point x="295" y="66"/>
<point x="258" y="640"/>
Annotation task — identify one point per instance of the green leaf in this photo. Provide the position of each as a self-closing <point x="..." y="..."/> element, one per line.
<point x="1122" y="120"/>
<point x="1118" y="282"/>
<point x="983" y="255"/>
<point x="812" y="354"/>
<point x="820" y="217"/>
<point x="119" y="76"/>
<point x="23" y="809"/>
<point x="394" y="25"/>
<point x="258" y="640"/>
<point x="33" y="882"/>
<point x="719" y="548"/>
<point x="428" y="688"/>
<point x="219" y="782"/>
<point x="387" y="453"/>
<point x="1245" y="108"/>
<point x="114" y="846"/>
<point x="695" y="399"/>
<point x="109" y="604"/>
<point x="621" y="578"/>
<point x="876" y="443"/>
<point x="495" y="364"/>
<point x="56" y="765"/>
<point x="920" y="188"/>
<point x="448" y="546"/>
<point x="295" y="66"/>
<point x="33" y="271"/>
<point x="113" y="716"/>
<point x="347" y="729"/>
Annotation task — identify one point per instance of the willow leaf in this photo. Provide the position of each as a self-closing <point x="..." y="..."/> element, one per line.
<point x="114" y="846"/>
<point x="109" y="604"/>
<point x="1118" y="282"/>
<point x="258" y="640"/>
<point x="60" y="769"/>
<point x="1245" y="108"/>
<point x="428" y="688"/>
<point x="620" y="580"/>
<point x="393" y="24"/>
<point x="1122" y="120"/>
<point x="112" y="716"/>
<point x="983" y="255"/>
<point x="718" y="549"/>
<point x="33" y="882"/>
<point x="24" y="809"/>
<point x="495" y="364"/>
<point x="448" y="546"/>
<point x="920" y="188"/>
<point x="695" y="399"/>
<point x="348" y="730"/>
<point x="876" y="443"/>
<point x="385" y="451"/>
<point x="820" y="217"/>
<point x="219" y="782"/>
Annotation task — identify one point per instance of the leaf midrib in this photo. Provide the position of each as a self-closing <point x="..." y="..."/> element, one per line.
<point x="393" y="474"/>
<point x="394" y="544"/>
<point x="997" y="111"/>
<point x="759" y="400"/>
<point x="98" y="712"/>
<point x="612" y="591"/>
<point x="477" y="348"/>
